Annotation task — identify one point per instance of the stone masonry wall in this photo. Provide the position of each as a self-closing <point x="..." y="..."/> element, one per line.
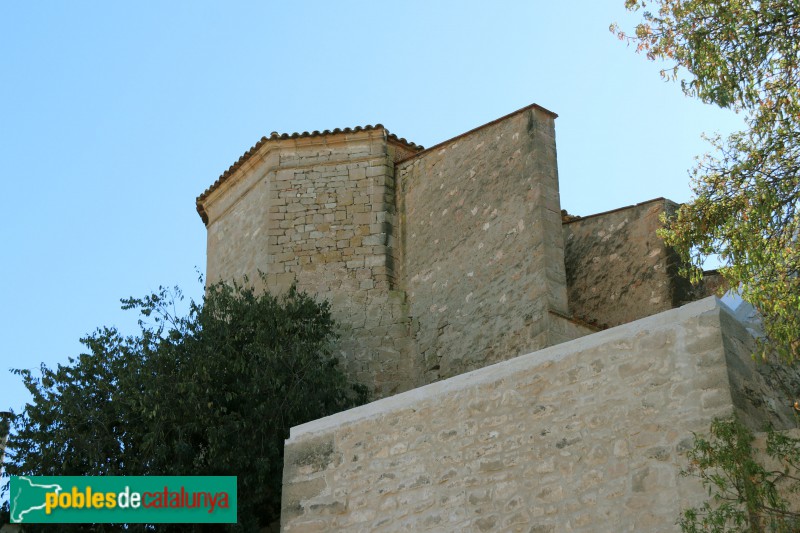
<point x="483" y="259"/>
<point x="762" y="391"/>
<point x="319" y="211"/>
<point x="618" y="269"/>
<point x="587" y="435"/>
<point x="435" y="262"/>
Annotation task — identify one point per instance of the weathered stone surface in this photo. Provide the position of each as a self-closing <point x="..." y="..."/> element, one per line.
<point x="584" y="436"/>
<point x="762" y="391"/>
<point x="435" y="263"/>
<point x="305" y="211"/>
<point x="441" y="262"/>
<point x="480" y="268"/>
<point x="618" y="269"/>
<point x="712" y="284"/>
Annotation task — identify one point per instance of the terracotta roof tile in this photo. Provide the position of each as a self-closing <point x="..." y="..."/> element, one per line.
<point x="280" y="136"/>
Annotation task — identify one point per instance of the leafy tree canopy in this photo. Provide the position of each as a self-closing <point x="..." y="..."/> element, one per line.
<point x="751" y="489"/>
<point x="744" y="55"/>
<point x="210" y="393"/>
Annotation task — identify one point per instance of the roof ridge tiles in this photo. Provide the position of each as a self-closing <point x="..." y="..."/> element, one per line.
<point x="296" y="135"/>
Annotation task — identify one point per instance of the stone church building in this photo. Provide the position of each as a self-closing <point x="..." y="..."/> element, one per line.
<point x="533" y="371"/>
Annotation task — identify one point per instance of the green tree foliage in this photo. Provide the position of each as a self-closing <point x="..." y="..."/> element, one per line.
<point x="210" y="393"/>
<point x="746" y="494"/>
<point x="744" y="55"/>
<point x="5" y="427"/>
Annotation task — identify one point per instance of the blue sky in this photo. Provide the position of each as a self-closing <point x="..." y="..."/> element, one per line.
<point x="114" y="116"/>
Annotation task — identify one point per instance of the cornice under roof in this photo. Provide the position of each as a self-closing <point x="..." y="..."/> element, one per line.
<point x="282" y="136"/>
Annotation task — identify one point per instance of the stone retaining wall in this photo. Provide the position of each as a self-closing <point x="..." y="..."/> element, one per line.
<point x="320" y="211"/>
<point x="587" y="436"/>
<point x="483" y="257"/>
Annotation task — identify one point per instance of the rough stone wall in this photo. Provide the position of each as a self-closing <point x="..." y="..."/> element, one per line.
<point x="436" y="263"/>
<point x="564" y="329"/>
<point x="483" y="259"/>
<point x="618" y="269"/>
<point x="587" y="436"/>
<point x="712" y="284"/>
<point x="237" y="238"/>
<point x="764" y="391"/>
<point x="319" y="211"/>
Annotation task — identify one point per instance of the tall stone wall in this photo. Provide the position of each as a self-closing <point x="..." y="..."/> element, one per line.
<point x="587" y="436"/>
<point x="618" y="269"/>
<point x="320" y="210"/>
<point x="441" y="261"/>
<point x="435" y="262"/>
<point x="483" y="260"/>
<point x="762" y="391"/>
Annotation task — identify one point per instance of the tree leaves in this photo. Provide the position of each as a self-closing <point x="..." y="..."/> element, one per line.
<point x="745" y="494"/>
<point x="213" y="393"/>
<point x="744" y="55"/>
